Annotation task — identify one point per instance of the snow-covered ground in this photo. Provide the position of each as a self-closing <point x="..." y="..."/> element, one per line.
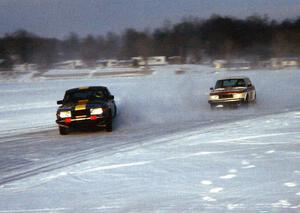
<point x="168" y="152"/>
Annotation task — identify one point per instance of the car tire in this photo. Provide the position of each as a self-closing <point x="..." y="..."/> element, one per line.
<point x="254" y="99"/>
<point x="246" y="102"/>
<point x="63" y="130"/>
<point x="116" y="110"/>
<point x="212" y="106"/>
<point x="108" y="125"/>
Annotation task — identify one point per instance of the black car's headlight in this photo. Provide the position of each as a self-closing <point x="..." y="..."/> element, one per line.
<point x="65" y="114"/>
<point x="96" y="111"/>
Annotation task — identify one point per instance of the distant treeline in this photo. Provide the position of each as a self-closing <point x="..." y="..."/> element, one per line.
<point x="219" y="37"/>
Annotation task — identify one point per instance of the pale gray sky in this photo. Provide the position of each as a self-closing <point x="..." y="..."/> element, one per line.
<point x="56" y="18"/>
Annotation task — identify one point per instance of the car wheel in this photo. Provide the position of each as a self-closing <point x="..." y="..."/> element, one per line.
<point x="212" y="106"/>
<point x="254" y="99"/>
<point x="116" y="110"/>
<point x="63" y="130"/>
<point x="246" y="101"/>
<point x="108" y="126"/>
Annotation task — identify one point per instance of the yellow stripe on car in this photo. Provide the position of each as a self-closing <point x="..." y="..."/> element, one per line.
<point x="81" y="105"/>
<point x="85" y="101"/>
<point x="82" y="88"/>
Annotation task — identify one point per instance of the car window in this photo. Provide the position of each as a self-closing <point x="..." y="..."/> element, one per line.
<point x="230" y="83"/>
<point x="84" y="95"/>
<point x="241" y="83"/>
<point x="98" y="94"/>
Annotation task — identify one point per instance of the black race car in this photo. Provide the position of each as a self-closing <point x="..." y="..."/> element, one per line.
<point x="84" y="107"/>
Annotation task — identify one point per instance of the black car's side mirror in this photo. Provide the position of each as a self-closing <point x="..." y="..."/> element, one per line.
<point x="60" y="102"/>
<point x="111" y="97"/>
<point x="249" y="85"/>
<point x="211" y="88"/>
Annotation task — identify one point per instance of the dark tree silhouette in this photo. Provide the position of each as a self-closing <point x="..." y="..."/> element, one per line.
<point x="217" y="37"/>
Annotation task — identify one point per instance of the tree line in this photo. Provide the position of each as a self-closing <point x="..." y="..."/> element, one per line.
<point x="218" y="37"/>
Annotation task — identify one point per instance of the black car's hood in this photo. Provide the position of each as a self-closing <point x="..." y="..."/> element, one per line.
<point x="83" y="104"/>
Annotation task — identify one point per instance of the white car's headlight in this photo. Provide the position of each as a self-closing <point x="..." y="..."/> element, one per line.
<point x="239" y="95"/>
<point x="65" y="114"/>
<point x="96" y="111"/>
<point x="213" y="97"/>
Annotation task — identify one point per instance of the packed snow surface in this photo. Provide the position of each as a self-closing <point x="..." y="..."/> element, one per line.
<point x="168" y="152"/>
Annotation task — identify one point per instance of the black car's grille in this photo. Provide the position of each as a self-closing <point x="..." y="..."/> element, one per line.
<point x="81" y="113"/>
<point x="226" y="96"/>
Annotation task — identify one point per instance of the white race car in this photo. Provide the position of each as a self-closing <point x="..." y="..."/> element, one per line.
<point x="232" y="91"/>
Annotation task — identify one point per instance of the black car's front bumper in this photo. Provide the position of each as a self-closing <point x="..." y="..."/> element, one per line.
<point x="94" y="120"/>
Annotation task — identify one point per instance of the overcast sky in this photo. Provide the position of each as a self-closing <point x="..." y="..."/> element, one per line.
<point x="57" y="18"/>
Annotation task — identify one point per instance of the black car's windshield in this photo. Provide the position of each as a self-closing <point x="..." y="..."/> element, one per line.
<point x="230" y="83"/>
<point x="84" y="95"/>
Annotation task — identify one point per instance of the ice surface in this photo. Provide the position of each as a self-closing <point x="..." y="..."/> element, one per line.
<point x="168" y="152"/>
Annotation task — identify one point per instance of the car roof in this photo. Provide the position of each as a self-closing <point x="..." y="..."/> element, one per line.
<point x="235" y="77"/>
<point x="86" y="88"/>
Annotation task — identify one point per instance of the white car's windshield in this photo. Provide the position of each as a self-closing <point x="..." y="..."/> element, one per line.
<point x="230" y="83"/>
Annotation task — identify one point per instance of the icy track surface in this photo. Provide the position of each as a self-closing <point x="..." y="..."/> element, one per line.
<point x="168" y="152"/>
